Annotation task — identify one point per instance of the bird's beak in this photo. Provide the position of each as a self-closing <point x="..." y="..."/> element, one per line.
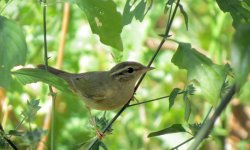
<point x="149" y="68"/>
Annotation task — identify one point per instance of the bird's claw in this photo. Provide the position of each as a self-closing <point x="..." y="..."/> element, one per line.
<point x="99" y="134"/>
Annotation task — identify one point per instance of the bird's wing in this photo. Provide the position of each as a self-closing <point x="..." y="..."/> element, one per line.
<point x="89" y="88"/>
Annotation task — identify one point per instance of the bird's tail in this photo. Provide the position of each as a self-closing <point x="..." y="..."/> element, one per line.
<point x="52" y="70"/>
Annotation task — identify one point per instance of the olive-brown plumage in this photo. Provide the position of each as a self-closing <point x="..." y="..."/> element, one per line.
<point x="104" y="90"/>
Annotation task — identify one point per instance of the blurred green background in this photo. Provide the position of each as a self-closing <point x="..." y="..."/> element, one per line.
<point x="209" y="30"/>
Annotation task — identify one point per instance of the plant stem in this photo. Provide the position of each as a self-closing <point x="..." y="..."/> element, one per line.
<point x="208" y="125"/>
<point x="168" y="26"/>
<point x="52" y="129"/>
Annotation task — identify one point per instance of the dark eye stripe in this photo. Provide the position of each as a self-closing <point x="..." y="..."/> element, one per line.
<point x="130" y="70"/>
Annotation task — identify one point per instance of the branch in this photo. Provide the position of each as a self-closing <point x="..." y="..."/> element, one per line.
<point x="152" y="100"/>
<point x="168" y="27"/>
<point x="208" y="125"/>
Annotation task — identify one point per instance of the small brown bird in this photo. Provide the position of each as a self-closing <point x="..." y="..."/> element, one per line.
<point x="104" y="90"/>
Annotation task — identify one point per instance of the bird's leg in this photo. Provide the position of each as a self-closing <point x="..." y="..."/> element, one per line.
<point x="99" y="134"/>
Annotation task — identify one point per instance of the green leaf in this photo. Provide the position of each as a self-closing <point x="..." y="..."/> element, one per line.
<point x="240" y="11"/>
<point x="241" y="53"/>
<point x="183" y="12"/>
<point x="104" y="20"/>
<point x="13" y="49"/>
<point x="31" y="110"/>
<point x="210" y="77"/>
<point x="102" y="122"/>
<point x="175" y="128"/>
<point x="130" y="11"/>
<point x="187" y="106"/>
<point x="30" y="75"/>
<point x="190" y="89"/>
<point x="172" y="97"/>
<point x="33" y="103"/>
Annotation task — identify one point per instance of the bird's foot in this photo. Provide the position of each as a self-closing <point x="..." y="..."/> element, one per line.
<point x="99" y="134"/>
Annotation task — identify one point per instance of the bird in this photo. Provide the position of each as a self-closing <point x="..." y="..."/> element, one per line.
<point x="104" y="90"/>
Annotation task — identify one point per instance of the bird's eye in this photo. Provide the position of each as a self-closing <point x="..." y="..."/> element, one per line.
<point x="130" y="70"/>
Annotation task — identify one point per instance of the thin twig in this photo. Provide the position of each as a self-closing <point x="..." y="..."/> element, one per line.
<point x="152" y="100"/>
<point x="140" y="80"/>
<point x="205" y="119"/>
<point x="182" y="143"/>
<point x="207" y="127"/>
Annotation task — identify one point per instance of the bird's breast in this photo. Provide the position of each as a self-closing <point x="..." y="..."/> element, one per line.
<point x="116" y="96"/>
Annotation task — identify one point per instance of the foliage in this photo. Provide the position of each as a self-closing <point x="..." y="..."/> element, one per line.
<point x="239" y="10"/>
<point x="28" y="138"/>
<point x="241" y="53"/>
<point x="31" y="75"/>
<point x="210" y="77"/>
<point x="197" y="71"/>
<point x="100" y="15"/>
<point x="138" y="12"/>
<point x="173" y="129"/>
<point x="13" y="49"/>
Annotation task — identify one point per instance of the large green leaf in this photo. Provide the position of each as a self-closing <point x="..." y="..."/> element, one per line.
<point x="13" y="49"/>
<point x="210" y="77"/>
<point x="104" y="20"/>
<point x="241" y="53"/>
<point x="239" y="10"/>
<point x="30" y="75"/>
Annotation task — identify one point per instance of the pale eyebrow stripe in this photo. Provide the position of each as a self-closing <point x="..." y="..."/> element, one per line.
<point x="120" y="70"/>
<point x="124" y="70"/>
